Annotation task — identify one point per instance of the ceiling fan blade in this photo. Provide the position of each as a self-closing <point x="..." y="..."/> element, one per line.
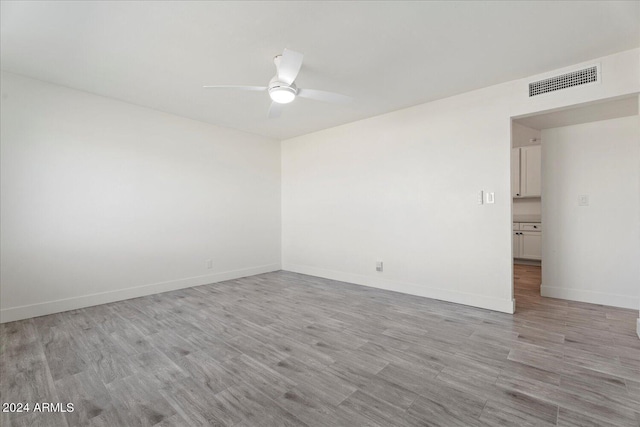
<point x="321" y="95"/>
<point x="253" y="88"/>
<point x="289" y="66"/>
<point x="275" y="110"/>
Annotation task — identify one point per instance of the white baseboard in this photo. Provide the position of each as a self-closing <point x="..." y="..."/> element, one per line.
<point x="49" y="307"/>
<point x="474" y="300"/>
<point x="601" y="298"/>
<point x="527" y="262"/>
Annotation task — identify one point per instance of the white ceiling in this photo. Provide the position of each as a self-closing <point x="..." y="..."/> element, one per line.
<point x="387" y="55"/>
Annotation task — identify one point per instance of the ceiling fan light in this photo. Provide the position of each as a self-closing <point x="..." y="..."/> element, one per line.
<point x="282" y="94"/>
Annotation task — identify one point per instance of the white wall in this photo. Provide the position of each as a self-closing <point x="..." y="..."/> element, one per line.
<point x="103" y="200"/>
<point x="620" y="76"/>
<point x="528" y="206"/>
<point x="591" y="253"/>
<point x="402" y="188"/>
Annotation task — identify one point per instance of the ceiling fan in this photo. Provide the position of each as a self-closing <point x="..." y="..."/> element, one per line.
<point x="282" y="88"/>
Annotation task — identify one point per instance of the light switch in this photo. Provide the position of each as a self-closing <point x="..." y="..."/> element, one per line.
<point x="583" y="200"/>
<point x="491" y="197"/>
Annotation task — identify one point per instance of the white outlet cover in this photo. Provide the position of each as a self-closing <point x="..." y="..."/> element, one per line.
<point x="583" y="200"/>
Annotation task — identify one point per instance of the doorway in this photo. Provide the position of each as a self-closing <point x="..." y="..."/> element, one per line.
<point x="567" y="167"/>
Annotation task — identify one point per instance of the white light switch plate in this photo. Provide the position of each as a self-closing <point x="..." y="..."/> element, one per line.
<point x="490" y="197"/>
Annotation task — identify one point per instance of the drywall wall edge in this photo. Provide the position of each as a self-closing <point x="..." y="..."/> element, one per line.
<point x="50" y="307"/>
<point x="473" y="300"/>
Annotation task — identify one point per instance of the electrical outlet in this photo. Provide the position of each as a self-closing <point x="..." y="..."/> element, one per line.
<point x="209" y="264"/>
<point x="379" y="266"/>
<point x="583" y="200"/>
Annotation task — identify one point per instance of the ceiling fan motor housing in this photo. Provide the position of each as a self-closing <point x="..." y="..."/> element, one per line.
<point x="281" y="92"/>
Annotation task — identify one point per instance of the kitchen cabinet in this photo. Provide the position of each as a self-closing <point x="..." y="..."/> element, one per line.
<point x="527" y="241"/>
<point x="526" y="171"/>
<point x="516" y="244"/>
<point x="531" y="245"/>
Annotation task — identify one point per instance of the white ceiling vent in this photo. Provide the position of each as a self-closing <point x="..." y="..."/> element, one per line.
<point x="575" y="78"/>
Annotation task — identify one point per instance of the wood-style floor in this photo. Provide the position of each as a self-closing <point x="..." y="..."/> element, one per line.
<point x="283" y="349"/>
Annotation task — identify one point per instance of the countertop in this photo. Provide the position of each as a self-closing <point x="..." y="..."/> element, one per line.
<point x="526" y="218"/>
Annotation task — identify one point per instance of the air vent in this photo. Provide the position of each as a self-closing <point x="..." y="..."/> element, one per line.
<point x="574" y="78"/>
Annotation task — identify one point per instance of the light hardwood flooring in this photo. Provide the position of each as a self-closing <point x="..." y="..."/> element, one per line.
<point x="284" y="349"/>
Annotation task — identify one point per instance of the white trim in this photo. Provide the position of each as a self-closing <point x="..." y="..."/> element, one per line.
<point x="474" y="300"/>
<point x="49" y="307"/>
<point x="522" y="261"/>
<point x="601" y="298"/>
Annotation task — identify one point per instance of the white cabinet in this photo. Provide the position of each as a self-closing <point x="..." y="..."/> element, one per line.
<point x="515" y="172"/>
<point x="527" y="240"/>
<point x="526" y="171"/>
<point x="516" y="244"/>
<point x="530" y="171"/>
<point x="531" y="245"/>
